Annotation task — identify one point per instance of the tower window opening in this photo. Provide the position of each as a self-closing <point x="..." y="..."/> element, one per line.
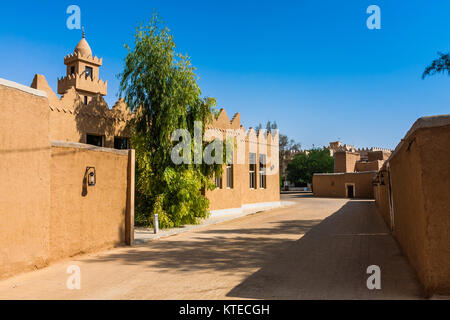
<point x="88" y="72"/>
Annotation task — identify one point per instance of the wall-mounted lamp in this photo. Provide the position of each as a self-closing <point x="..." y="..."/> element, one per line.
<point x="91" y="176"/>
<point x="382" y="180"/>
<point x="376" y="180"/>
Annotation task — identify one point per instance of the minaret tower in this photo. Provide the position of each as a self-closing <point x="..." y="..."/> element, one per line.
<point x="83" y="73"/>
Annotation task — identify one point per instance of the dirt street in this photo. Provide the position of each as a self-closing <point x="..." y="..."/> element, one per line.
<point x="315" y="249"/>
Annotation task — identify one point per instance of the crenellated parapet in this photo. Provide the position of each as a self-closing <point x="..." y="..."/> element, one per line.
<point x="81" y="82"/>
<point x="381" y="149"/>
<point x="373" y="149"/>
<point x="74" y="57"/>
<point x="223" y="125"/>
<point x="71" y="103"/>
<point x="337" y="146"/>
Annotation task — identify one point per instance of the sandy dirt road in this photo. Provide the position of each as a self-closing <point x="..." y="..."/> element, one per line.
<point x="315" y="249"/>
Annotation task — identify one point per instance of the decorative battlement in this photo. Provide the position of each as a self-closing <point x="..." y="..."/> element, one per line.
<point x="222" y="124"/>
<point x="70" y="58"/>
<point x="337" y="146"/>
<point x="379" y="149"/>
<point x="81" y="82"/>
<point x="71" y="104"/>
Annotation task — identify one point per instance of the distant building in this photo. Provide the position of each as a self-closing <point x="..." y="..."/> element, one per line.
<point x="363" y="152"/>
<point x="354" y="170"/>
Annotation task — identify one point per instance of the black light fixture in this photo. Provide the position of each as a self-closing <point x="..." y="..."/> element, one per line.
<point x="376" y="180"/>
<point x="382" y="179"/>
<point x="91" y="176"/>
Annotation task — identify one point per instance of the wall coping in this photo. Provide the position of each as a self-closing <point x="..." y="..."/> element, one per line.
<point x="66" y="144"/>
<point x="343" y="173"/>
<point x="421" y="123"/>
<point x="428" y="122"/>
<point x="350" y="152"/>
<point x="21" y="87"/>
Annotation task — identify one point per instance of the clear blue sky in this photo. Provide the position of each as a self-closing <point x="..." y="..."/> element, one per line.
<point x="313" y="66"/>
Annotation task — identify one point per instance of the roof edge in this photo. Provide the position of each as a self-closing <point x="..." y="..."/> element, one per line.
<point x="344" y="173"/>
<point x="421" y="123"/>
<point x="21" y="87"/>
<point x="429" y="122"/>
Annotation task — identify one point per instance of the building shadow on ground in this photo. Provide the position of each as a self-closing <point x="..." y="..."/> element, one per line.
<point x="330" y="262"/>
<point x="217" y="249"/>
<point x="291" y="259"/>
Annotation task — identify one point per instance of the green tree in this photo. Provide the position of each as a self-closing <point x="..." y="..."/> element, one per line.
<point x="161" y="86"/>
<point x="301" y="169"/>
<point x="439" y="65"/>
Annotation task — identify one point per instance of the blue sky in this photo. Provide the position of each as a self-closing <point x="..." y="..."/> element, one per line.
<point x="312" y="66"/>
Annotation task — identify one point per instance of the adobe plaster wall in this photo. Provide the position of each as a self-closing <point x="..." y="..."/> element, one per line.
<point x="25" y="182"/>
<point x="420" y="174"/>
<point x="345" y="161"/>
<point x="86" y="218"/>
<point x="71" y="120"/>
<point x="241" y="193"/>
<point x="46" y="213"/>
<point x="374" y="165"/>
<point x="333" y="185"/>
<point x="381" y="195"/>
<point x="435" y="159"/>
<point x="420" y="182"/>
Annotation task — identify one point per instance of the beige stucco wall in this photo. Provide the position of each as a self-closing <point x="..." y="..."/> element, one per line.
<point x="25" y="179"/>
<point x="74" y="125"/>
<point x="45" y="214"/>
<point x="228" y="198"/>
<point x="272" y="191"/>
<point x="334" y="185"/>
<point x="374" y="165"/>
<point x="345" y="161"/>
<point x="420" y="175"/>
<point x="381" y="195"/>
<point x="377" y="155"/>
<point x="241" y="193"/>
<point x="71" y="120"/>
<point x="435" y="159"/>
<point x="94" y="214"/>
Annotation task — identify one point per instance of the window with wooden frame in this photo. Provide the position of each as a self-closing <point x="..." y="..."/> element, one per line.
<point x="252" y="170"/>
<point x="230" y="176"/>
<point x="262" y="171"/>
<point x="218" y="181"/>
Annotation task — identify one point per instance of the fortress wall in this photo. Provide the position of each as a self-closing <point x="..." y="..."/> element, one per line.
<point x="87" y="218"/>
<point x="46" y="211"/>
<point x="25" y="182"/>
<point x="333" y="185"/>
<point x="419" y="174"/>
